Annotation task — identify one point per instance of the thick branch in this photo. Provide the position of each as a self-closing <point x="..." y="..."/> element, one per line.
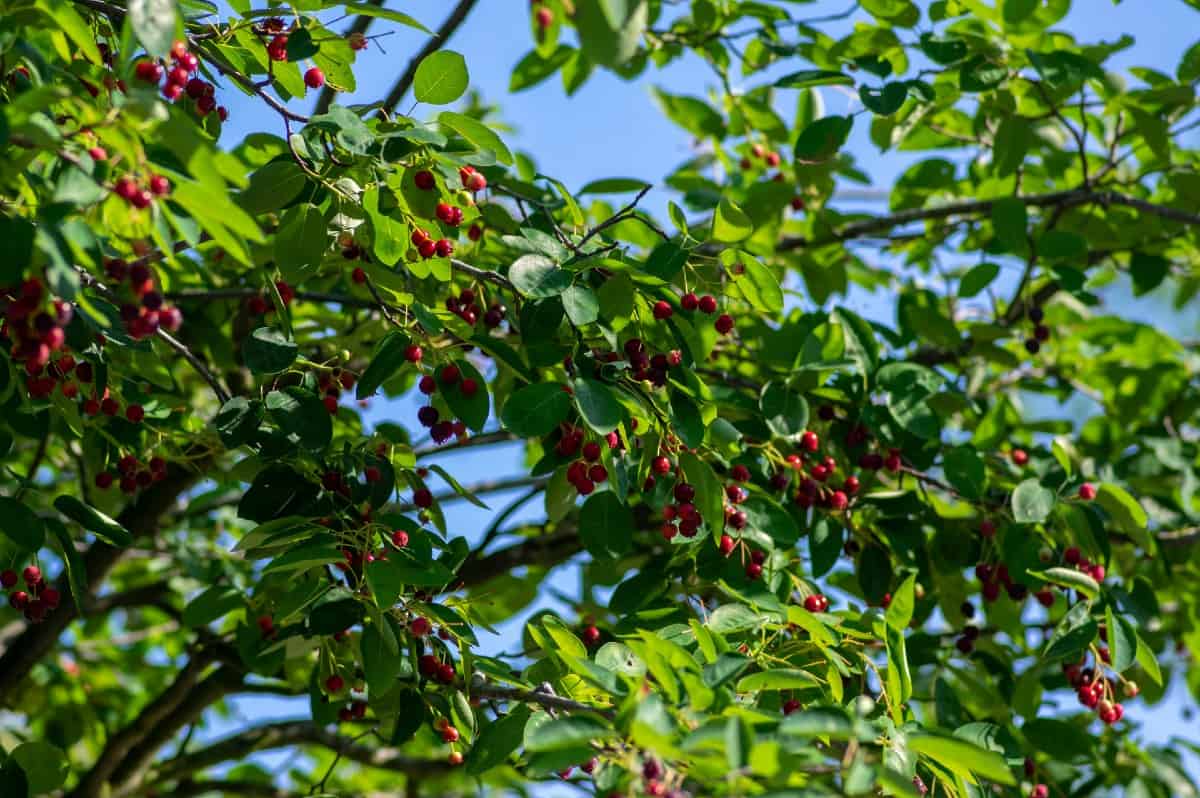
<point x="439" y="39"/>
<point x="289" y="733"/>
<point x="123" y="743"/>
<point x="141" y="519"/>
<point x="251" y="789"/>
<point x="545" y="551"/>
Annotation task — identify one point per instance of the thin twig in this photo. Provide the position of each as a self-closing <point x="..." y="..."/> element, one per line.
<point x="438" y="40"/>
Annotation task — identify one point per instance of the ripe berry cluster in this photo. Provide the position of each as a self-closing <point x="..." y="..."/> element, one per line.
<point x="587" y="472"/>
<point x="331" y="384"/>
<point x="448" y="378"/>
<point x="35" y="330"/>
<point x="132" y="475"/>
<point x="127" y="188"/>
<point x="707" y="305"/>
<point x="468" y="309"/>
<point x="145" y="311"/>
<point x="259" y="305"/>
<point x="1041" y="333"/>
<point x="38" y="600"/>
<point x="179" y="79"/>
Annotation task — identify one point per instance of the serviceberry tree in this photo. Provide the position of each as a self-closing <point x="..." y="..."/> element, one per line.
<point x="944" y="553"/>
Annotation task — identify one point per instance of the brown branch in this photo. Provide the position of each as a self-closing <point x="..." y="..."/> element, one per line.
<point x="1058" y="199"/>
<point x="484" y="488"/>
<point x="250" y="789"/>
<point x="546" y="551"/>
<point x="486" y="275"/>
<point x="439" y="39"/>
<point x="540" y="697"/>
<point x="485" y="439"/>
<point x="141" y="518"/>
<point x="283" y="735"/>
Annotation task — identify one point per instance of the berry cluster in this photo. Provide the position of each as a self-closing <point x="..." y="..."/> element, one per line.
<point x="813" y="488"/>
<point x="260" y="305"/>
<point x="587" y="472"/>
<point x="331" y="384"/>
<point x="145" y="311"/>
<point x="127" y="188"/>
<point x="448" y="378"/>
<point x="816" y="603"/>
<point x="769" y="157"/>
<point x="707" y="305"/>
<point x="1095" y="691"/>
<point x="132" y="475"/>
<point x="468" y="309"/>
<point x="38" y="600"/>
<point x="179" y="79"/>
<point x="1041" y="333"/>
<point x="36" y="331"/>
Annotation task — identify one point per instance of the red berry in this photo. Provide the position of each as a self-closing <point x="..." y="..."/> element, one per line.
<point x="544" y="17"/>
<point x="661" y="465"/>
<point x="754" y="570"/>
<point x="591" y="451"/>
<point x="591" y="635"/>
<point x="449" y="374"/>
<point x="449" y="734"/>
<point x="726" y="545"/>
<point x="135" y="413"/>
<point x="32" y="575"/>
<point x="1019" y="457"/>
<point x="689" y="301"/>
<point x="987" y="528"/>
<point x="420" y="626"/>
<point x="331" y="404"/>
<point x="469" y="387"/>
<point x="663" y="310"/>
<point x="314" y="78"/>
<point x="423" y="498"/>
<point x="8" y="578"/>
<point x="358" y="276"/>
<point x="334" y="684"/>
<point x="160" y="185"/>
<point x="425" y="180"/>
<point x="724" y="324"/>
<point x="443" y="247"/>
<point x="413" y="353"/>
<point x="1073" y="556"/>
<point x="809" y="441"/>
<point x="1087" y="491"/>
<point x="427" y="385"/>
<point x="708" y="304"/>
<point x="148" y="71"/>
<point x="399" y="538"/>
<point x="790" y="706"/>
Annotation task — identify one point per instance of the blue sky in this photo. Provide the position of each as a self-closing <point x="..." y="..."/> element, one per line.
<point x="613" y="128"/>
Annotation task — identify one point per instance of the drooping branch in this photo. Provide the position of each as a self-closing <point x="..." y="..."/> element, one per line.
<point x="436" y="42"/>
<point x="141" y="518"/>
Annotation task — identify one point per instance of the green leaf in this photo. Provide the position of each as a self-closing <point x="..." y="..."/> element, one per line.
<point x="606" y="525"/>
<point x="538" y="277"/>
<point x="72" y="563"/>
<point x="977" y="279"/>
<point x="778" y="679"/>
<point x="216" y="602"/>
<point x="20" y="525"/>
<point x="900" y="611"/>
<point x="614" y="185"/>
<point x="535" y="67"/>
<point x="597" y="405"/>
<point x="686" y="419"/>
<point x="965" y="470"/>
<point x="708" y="501"/>
<point x="154" y="23"/>
<point x="784" y="410"/>
<point x="372" y="10"/>
<point x="730" y="223"/>
<point x="1125" y="512"/>
<point x="581" y="305"/>
<point x="477" y="133"/>
<point x="273" y="186"/>
<point x="693" y="115"/>
<point x="381" y="665"/>
<point x="1032" y="503"/>
<point x="806" y="78"/>
<point x="1009" y="220"/>
<point x="93" y="521"/>
<point x="756" y="284"/>
<point x="1073" y="634"/>
<point x="1122" y="641"/>
<point x="441" y="78"/>
<point x="1059" y="739"/>
<point x="45" y="766"/>
<point x="822" y="139"/>
<point x="610" y="31"/>
<point x="819" y="721"/>
<point x="301" y="241"/>
<point x="1146" y="658"/>
<point x="303" y="558"/>
<point x="300" y="45"/>
<point x="497" y="741"/>
<point x="962" y="757"/>
<point x="237" y="421"/>
<point x="473" y="409"/>
<point x="943" y="50"/>
<point x="299" y="412"/>
<point x="536" y="410"/>
<point x="268" y="351"/>
<point x="387" y="359"/>
<point x="1013" y="139"/>
<point x="559" y="733"/>
<point x="899" y="675"/>
<point x="885" y="101"/>
<point x="1070" y="578"/>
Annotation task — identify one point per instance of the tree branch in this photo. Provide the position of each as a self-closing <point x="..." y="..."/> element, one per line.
<point x="1059" y="199"/>
<point x="439" y="39"/>
<point x="546" y="551"/>
<point x="141" y="518"/>
<point x="251" y="789"/>
<point x="288" y="733"/>
<point x="360" y="25"/>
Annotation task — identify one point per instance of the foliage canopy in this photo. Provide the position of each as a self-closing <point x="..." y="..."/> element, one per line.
<point x="818" y="554"/>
